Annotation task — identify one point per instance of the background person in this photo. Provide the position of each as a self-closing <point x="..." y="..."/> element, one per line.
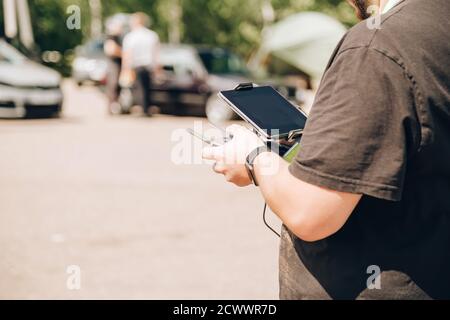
<point x="369" y="189"/>
<point x="113" y="50"/>
<point x="140" y="58"/>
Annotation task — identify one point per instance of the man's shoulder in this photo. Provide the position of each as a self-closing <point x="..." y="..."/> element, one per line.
<point x="129" y="37"/>
<point x="140" y="35"/>
<point x="388" y="31"/>
<point x="150" y="33"/>
<point x="359" y="36"/>
<point x="385" y="28"/>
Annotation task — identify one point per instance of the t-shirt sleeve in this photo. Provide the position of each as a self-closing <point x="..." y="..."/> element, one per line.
<point x="362" y="127"/>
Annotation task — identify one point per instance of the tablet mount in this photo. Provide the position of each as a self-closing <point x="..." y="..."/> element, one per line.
<point x="293" y="134"/>
<point x="245" y="86"/>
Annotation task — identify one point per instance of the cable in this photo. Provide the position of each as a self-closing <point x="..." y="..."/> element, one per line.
<point x="265" y="221"/>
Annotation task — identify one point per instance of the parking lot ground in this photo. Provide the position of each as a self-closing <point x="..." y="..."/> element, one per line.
<point x="102" y="193"/>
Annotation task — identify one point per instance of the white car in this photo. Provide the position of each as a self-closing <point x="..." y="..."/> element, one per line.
<point x="26" y="87"/>
<point x="90" y="64"/>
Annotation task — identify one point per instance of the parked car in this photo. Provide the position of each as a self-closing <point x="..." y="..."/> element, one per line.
<point x="27" y="88"/>
<point x="90" y="64"/>
<point x="192" y="77"/>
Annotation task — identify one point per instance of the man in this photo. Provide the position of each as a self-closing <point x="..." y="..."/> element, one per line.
<point x="113" y="50"/>
<point x="140" y="58"/>
<point x="369" y="190"/>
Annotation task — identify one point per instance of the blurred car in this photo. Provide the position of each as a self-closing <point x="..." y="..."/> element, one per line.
<point x="192" y="77"/>
<point x="27" y="88"/>
<point x="90" y="64"/>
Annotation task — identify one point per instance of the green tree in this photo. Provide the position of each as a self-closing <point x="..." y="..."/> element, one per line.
<point x="235" y="24"/>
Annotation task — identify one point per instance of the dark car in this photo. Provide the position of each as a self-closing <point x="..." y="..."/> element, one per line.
<point x="90" y="64"/>
<point x="27" y="88"/>
<point x="193" y="75"/>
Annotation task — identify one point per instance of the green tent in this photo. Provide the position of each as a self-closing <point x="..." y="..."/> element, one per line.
<point x="305" y="41"/>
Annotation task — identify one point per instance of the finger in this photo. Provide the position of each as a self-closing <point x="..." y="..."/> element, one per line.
<point x="220" y="168"/>
<point x="213" y="153"/>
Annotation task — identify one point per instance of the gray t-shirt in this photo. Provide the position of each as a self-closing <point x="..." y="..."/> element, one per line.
<point x="380" y="126"/>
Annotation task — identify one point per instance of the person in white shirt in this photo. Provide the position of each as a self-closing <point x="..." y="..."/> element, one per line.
<point x="140" y="58"/>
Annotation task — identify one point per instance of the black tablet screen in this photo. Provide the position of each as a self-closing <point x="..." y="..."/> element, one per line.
<point x="268" y="109"/>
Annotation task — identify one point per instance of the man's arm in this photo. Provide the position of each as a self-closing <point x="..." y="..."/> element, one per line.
<point x="112" y="49"/>
<point x="359" y="134"/>
<point x="312" y="213"/>
<point x="126" y="74"/>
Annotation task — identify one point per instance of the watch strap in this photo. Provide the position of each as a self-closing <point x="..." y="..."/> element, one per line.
<point x="249" y="164"/>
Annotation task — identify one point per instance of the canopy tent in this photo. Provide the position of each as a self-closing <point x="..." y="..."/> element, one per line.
<point x="305" y="40"/>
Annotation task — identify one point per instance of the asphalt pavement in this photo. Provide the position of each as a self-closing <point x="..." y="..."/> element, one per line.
<point x="98" y="198"/>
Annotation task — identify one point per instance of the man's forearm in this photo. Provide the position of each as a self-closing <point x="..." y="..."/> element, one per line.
<point x="312" y="213"/>
<point x="273" y="178"/>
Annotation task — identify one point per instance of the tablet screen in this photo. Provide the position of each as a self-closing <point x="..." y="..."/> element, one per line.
<point x="267" y="109"/>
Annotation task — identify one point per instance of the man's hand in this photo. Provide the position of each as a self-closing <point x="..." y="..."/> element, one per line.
<point x="230" y="158"/>
<point x="311" y="212"/>
<point x="127" y="78"/>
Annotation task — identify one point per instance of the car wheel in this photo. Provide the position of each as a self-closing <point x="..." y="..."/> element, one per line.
<point x="56" y="115"/>
<point x="217" y="111"/>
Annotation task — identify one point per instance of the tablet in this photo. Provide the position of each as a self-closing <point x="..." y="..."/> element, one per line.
<point x="266" y="110"/>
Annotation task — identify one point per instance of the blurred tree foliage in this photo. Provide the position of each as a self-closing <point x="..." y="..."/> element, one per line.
<point x="232" y="23"/>
<point x="237" y="23"/>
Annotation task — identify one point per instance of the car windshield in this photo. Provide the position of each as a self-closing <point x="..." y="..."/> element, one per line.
<point x="10" y="54"/>
<point x="219" y="61"/>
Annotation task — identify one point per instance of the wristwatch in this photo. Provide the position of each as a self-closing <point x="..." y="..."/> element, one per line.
<point x="249" y="163"/>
